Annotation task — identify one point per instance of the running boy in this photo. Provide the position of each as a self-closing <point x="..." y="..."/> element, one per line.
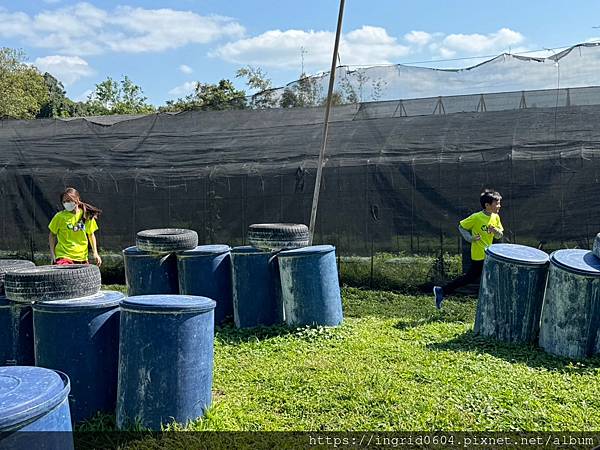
<point x="479" y="229"/>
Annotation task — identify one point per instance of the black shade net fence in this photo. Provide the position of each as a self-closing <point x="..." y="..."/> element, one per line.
<point x="391" y="183"/>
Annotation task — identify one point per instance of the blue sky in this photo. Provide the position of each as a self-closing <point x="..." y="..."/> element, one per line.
<point x="165" y="46"/>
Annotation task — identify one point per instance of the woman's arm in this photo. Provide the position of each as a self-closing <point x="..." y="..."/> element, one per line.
<point x="95" y="249"/>
<point x="52" y="244"/>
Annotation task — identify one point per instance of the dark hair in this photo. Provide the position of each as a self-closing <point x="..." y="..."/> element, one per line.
<point x="89" y="211"/>
<point x="489" y="196"/>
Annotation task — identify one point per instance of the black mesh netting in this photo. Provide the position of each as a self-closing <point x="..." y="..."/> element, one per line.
<point x="392" y="183"/>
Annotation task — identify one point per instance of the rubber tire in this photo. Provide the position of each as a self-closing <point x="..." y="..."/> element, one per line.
<point x="278" y="236"/>
<point x="11" y="264"/>
<point x="49" y="283"/>
<point x="166" y="240"/>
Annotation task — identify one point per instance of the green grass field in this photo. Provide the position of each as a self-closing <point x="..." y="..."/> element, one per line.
<point x="396" y="363"/>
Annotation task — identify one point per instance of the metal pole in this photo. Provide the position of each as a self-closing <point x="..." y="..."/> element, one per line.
<point x="315" y="202"/>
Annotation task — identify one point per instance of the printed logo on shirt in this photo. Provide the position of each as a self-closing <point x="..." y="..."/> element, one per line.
<point x="79" y="226"/>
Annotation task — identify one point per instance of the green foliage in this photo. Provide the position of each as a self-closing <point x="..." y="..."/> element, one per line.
<point x="209" y="97"/>
<point x="58" y="104"/>
<point x="307" y="92"/>
<point x="257" y="79"/>
<point x="22" y="88"/>
<point x="304" y="93"/>
<point x="112" y="97"/>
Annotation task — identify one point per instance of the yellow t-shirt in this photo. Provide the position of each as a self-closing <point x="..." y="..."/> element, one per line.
<point x="478" y="224"/>
<point x="72" y="233"/>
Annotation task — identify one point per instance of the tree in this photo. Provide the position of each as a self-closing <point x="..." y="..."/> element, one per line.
<point x="305" y="92"/>
<point x="257" y="79"/>
<point x="57" y="104"/>
<point x="112" y="97"/>
<point x="210" y="97"/>
<point x="22" y="87"/>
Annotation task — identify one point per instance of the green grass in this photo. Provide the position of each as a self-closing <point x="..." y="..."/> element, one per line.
<point x="396" y="363"/>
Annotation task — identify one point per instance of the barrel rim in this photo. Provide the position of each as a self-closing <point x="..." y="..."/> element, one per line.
<point x="106" y="299"/>
<point x="571" y="269"/>
<point x="26" y="412"/>
<point x="490" y="251"/>
<point x="310" y="250"/>
<point x="135" y="251"/>
<point x="251" y="250"/>
<point x="175" y="303"/>
<point x="205" y="250"/>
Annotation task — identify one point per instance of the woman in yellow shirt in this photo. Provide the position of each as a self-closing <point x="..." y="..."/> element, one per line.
<point x="72" y="231"/>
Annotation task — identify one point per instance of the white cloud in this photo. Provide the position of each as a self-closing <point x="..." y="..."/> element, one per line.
<point x="282" y="49"/>
<point x="186" y="69"/>
<point x="67" y="69"/>
<point x="183" y="89"/>
<point x="84" y="29"/>
<point x="477" y="44"/>
<point x="419" y="38"/>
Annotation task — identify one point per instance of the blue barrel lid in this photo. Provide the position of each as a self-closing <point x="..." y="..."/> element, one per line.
<point x="577" y="260"/>
<point x="518" y="253"/>
<point x="248" y="249"/>
<point x="103" y="299"/>
<point x="168" y="303"/>
<point x="304" y="251"/>
<point x="29" y="392"/>
<point x="217" y="249"/>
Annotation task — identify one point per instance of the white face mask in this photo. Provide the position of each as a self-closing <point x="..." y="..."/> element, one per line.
<point x="69" y="206"/>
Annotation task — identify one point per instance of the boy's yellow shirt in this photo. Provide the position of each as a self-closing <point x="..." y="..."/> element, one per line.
<point x="72" y="233"/>
<point x="477" y="224"/>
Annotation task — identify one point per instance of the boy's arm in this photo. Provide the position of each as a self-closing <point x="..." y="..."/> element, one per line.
<point x="498" y="230"/>
<point x="466" y="234"/>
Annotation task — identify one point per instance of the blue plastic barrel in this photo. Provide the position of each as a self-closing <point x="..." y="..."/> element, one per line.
<point x="205" y="271"/>
<point x="256" y="287"/>
<point x="165" y="359"/>
<point x="150" y="273"/>
<point x="310" y="287"/>
<point x="571" y="314"/>
<point x="80" y="337"/>
<point x="34" y="399"/>
<point x="511" y="293"/>
<point x="16" y="333"/>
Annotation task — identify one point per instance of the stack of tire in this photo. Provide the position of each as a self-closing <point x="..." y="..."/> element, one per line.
<point x="279" y="278"/>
